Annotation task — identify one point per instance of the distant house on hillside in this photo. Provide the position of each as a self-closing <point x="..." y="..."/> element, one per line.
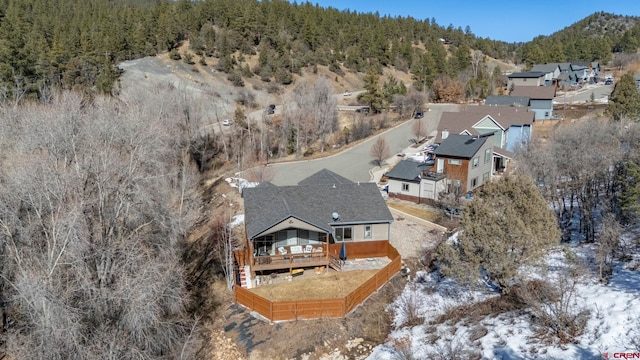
<point x="540" y="99"/>
<point x="551" y="71"/>
<point x="531" y="78"/>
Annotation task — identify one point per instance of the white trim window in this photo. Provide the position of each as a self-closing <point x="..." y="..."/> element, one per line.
<point x="405" y="187"/>
<point x="344" y="233"/>
<point x="454" y="161"/>
<point x="368" y="232"/>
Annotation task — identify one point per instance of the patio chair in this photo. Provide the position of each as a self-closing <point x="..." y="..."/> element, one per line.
<point x="282" y="250"/>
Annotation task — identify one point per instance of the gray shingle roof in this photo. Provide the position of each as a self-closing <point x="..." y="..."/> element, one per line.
<point x="460" y="146"/>
<point x="326" y="177"/>
<point x="408" y="170"/>
<point x="313" y="204"/>
<point x="501" y="100"/>
<point x="546" y="68"/>
<point x="535" y="92"/>
<point x="530" y="74"/>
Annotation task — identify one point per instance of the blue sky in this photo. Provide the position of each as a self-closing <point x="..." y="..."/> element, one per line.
<point x="496" y="19"/>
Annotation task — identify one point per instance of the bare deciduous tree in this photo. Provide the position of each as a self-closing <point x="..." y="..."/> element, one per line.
<point x="419" y="129"/>
<point x="380" y="150"/>
<point x="91" y="219"/>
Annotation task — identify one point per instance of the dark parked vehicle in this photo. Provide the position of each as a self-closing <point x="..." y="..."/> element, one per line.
<point x="419" y="114"/>
<point x="364" y="110"/>
<point x="271" y="109"/>
<point x="608" y="82"/>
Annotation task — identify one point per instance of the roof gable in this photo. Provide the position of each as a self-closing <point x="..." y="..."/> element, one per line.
<point x="324" y="177"/>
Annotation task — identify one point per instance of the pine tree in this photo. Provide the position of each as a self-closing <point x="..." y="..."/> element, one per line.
<point x="373" y="95"/>
<point x="624" y="102"/>
<point x="507" y="226"/>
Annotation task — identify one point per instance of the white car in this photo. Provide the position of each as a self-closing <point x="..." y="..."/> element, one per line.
<point x="226" y="122"/>
<point x="347" y="93"/>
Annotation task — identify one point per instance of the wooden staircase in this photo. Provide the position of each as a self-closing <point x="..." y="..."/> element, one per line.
<point x="335" y="263"/>
<point x="245" y="277"/>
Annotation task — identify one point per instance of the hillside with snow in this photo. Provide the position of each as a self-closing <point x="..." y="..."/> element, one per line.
<point x="435" y="318"/>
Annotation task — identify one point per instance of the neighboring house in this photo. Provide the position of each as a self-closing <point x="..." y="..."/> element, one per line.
<point x="551" y="71"/>
<point x="531" y="78"/>
<point x="416" y="181"/>
<point x="540" y="99"/>
<point x="466" y="161"/>
<point x="511" y="126"/>
<point x="304" y="225"/>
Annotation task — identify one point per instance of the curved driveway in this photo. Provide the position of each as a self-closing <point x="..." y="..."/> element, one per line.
<point x="355" y="163"/>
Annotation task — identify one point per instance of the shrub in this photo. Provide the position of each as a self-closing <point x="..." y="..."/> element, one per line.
<point x="174" y="55"/>
<point x="236" y="79"/>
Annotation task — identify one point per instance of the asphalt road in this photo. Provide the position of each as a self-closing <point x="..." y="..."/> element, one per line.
<point x="355" y="163"/>
<point x="600" y="92"/>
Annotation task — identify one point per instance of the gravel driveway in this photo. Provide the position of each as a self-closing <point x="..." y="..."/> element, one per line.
<point x="411" y="238"/>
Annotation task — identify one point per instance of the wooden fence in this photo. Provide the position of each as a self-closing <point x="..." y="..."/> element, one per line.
<point x="324" y="308"/>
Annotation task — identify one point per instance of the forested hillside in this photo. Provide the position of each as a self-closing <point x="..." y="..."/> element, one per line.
<point x="593" y="38"/>
<point x="75" y="44"/>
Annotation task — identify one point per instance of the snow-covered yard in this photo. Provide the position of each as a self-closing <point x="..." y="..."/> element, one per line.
<point x="612" y="326"/>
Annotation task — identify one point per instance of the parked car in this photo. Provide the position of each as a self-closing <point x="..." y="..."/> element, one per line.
<point x="271" y="109"/>
<point x="419" y="114"/>
<point x="226" y="122"/>
<point x="454" y="212"/>
<point x="364" y="110"/>
<point x="347" y="93"/>
<point x="608" y="82"/>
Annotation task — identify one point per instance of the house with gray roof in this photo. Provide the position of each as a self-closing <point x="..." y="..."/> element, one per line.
<point x="305" y="225"/>
<point x="465" y="160"/>
<point x="540" y="99"/>
<point x="416" y="181"/>
<point x="551" y="71"/>
<point x="530" y="78"/>
<point x="511" y="126"/>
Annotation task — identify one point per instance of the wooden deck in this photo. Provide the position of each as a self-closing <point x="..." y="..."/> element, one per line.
<point x="290" y="261"/>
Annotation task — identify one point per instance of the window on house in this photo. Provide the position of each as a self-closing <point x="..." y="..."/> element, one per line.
<point x="405" y="187"/>
<point x="487" y="155"/>
<point x="476" y="161"/>
<point x="367" y="232"/>
<point x="344" y="233"/>
<point x="546" y="114"/>
<point x="455" y="162"/>
<point x="485" y="177"/>
<point x="474" y="182"/>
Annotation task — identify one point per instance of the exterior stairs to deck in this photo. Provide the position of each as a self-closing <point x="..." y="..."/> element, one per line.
<point x="335" y="263"/>
<point x="245" y="277"/>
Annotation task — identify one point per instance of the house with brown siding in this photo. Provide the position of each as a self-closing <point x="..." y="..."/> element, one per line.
<point x="465" y="160"/>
